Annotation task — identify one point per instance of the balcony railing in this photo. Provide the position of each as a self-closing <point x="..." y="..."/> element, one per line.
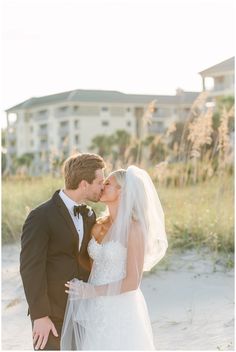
<point x="63" y="131"/>
<point x="156" y="128"/>
<point x="162" y="113"/>
<point x="42" y="133"/>
<point x="11" y="149"/>
<point x="43" y="146"/>
<point x="11" y="136"/>
<point x="219" y="87"/>
<point x="41" y="115"/>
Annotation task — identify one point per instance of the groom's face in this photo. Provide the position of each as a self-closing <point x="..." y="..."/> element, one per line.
<point x="94" y="190"/>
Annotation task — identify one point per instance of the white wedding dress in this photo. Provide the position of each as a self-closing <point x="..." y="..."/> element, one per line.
<point x="120" y="322"/>
<point x="109" y="311"/>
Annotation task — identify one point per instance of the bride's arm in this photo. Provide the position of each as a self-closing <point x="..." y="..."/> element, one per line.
<point x="134" y="271"/>
<point x="134" y="265"/>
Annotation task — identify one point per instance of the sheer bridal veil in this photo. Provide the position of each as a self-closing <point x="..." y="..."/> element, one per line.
<point x="139" y="229"/>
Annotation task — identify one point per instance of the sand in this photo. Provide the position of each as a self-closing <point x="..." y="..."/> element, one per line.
<point x="190" y="297"/>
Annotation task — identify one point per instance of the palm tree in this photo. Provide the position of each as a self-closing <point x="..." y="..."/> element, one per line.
<point x="102" y="144"/>
<point x="122" y="140"/>
<point x="3" y="150"/>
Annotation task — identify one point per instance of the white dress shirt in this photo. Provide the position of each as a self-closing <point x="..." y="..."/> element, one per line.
<point x="77" y="220"/>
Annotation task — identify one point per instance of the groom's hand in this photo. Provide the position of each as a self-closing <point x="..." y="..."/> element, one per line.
<point x="41" y="331"/>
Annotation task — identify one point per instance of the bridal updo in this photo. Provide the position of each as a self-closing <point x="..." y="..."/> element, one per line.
<point x="119" y="176"/>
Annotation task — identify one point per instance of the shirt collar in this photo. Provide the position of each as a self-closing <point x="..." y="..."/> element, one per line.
<point x="70" y="203"/>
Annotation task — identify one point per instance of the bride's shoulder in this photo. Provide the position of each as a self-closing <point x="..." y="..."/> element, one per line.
<point x="98" y="226"/>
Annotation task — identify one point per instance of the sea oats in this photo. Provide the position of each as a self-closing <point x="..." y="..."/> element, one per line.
<point x="148" y="115"/>
<point x="200" y="132"/>
<point x="171" y="129"/>
<point x="199" y="103"/>
<point x="224" y="146"/>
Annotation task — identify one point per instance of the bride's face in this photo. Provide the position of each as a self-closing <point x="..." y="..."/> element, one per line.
<point x="111" y="191"/>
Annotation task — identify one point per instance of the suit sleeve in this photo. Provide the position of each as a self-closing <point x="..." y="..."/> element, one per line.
<point x="33" y="260"/>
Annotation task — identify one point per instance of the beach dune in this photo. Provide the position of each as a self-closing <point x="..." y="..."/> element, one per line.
<point x="190" y="301"/>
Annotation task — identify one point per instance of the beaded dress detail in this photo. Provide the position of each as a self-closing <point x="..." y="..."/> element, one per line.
<point x="109" y="261"/>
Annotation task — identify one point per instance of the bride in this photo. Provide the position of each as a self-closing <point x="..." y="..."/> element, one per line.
<point x="109" y="311"/>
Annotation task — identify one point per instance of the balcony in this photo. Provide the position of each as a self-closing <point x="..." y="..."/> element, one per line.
<point x="11" y="137"/>
<point x="63" y="131"/>
<point x="220" y="86"/>
<point x="64" y="150"/>
<point x="156" y="127"/>
<point x="63" y="111"/>
<point x="11" y="149"/>
<point x="42" y="132"/>
<point x="41" y="115"/>
<point x="160" y="113"/>
<point x="43" y="146"/>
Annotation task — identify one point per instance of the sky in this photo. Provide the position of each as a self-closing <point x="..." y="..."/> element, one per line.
<point x="133" y="46"/>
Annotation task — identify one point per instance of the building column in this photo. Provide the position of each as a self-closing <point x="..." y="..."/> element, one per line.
<point x="8" y="157"/>
<point x="203" y="84"/>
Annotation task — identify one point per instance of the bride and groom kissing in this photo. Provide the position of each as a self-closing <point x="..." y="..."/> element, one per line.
<point x="82" y="275"/>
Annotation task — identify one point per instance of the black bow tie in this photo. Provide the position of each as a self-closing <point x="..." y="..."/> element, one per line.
<point x="80" y="209"/>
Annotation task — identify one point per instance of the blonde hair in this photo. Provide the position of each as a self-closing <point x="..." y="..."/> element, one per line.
<point x="119" y="176"/>
<point x="120" y="179"/>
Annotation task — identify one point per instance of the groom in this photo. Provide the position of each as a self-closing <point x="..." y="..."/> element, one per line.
<point x="54" y="246"/>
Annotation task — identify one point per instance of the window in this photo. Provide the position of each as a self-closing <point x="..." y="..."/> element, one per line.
<point x="128" y="109"/>
<point x="63" y="108"/>
<point x="105" y="123"/>
<point x="64" y="124"/>
<point x="43" y="141"/>
<point x="28" y="116"/>
<point x="76" y="139"/>
<point x="31" y="129"/>
<point x="104" y="108"/>
<point x="64" y="141"/>
<point x="31" y="143"/>
<point x="160" y="125"/>
<point x="219" y="79"/>
<point x="75" y="108"/>
<point x="42" y="130"/>
<point x="42" y="112"/>
<point x="129" y="123"/>
<point x="76" y="124"/>
<point x="43" y="127"/>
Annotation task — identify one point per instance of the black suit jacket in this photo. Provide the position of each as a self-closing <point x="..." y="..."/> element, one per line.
<point x="49" y="257"/>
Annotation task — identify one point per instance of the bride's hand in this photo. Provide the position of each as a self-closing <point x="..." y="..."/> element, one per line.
<point x="79" y="289"/>
<point x="75" y="288"/>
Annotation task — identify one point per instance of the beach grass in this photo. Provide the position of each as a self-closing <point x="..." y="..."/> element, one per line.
<point x="200" y="215"/>
<point x="196" y="216"/>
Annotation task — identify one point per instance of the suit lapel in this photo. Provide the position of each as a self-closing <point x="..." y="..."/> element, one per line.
<point x="85" y="236"/>
<point x="66" y="215"/>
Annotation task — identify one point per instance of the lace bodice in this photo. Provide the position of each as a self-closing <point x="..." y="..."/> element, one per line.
<point x="109" y="261"/>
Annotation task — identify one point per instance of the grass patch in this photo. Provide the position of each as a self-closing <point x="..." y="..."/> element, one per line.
<point x="200" y="215"/>
<point x="196" y="216"/>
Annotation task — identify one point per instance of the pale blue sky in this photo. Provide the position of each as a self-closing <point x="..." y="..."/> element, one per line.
<point x="134" y="46"/>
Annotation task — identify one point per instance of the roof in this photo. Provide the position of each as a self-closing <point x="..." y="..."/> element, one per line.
<point x="103" y="96"/>
<point x="225" y="66"/>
